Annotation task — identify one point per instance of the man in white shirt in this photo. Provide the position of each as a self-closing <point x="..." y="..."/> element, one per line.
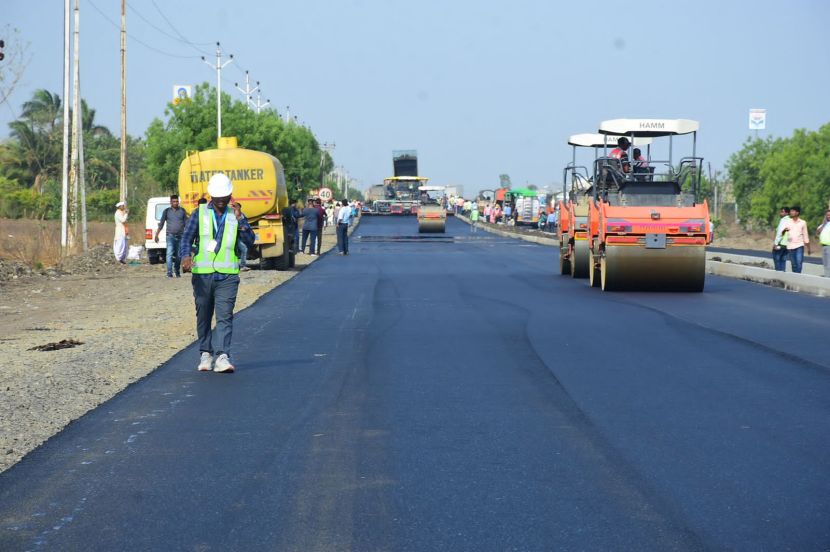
<point x="122" y="233"/>
<point x="344" y="219"/>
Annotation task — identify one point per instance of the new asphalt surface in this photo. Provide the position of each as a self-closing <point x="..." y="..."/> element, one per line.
<point x="452" y="392"/>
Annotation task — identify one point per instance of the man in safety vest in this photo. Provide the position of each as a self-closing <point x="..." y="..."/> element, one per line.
<point x="824" y="238"/>
<point x="217" y="232"/>
<point x="621" y="153"/>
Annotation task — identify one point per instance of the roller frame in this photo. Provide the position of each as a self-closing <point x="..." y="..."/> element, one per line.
<point x="580" y="259"/>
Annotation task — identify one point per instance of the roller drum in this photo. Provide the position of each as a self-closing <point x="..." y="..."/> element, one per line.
<point x="431" y="226"/>
<point x="580" y="259"/>
<point x="678" y="268"/>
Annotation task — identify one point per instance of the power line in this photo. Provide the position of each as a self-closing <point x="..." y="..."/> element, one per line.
<point x="162" y="31"/>
<point x="175" y="30"/>
<point x="117" y="26"/>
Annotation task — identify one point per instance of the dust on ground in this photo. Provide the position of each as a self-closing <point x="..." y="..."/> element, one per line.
<point x="130" y="319"/>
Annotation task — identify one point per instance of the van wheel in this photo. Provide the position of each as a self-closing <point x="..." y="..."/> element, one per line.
<point x="154" y="258"/>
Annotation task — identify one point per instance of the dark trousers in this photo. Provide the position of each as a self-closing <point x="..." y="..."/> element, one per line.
<point x="319" y="239"/>
<point x="295" y="242"/>
<point x="306" y="234"/>
<point x="796" y="258"/>
<point x="779" y="259"/>
<point x="215" y="297"/>
<point x="343" y="238"/>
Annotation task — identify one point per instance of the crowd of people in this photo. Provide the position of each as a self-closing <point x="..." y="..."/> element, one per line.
<point x="500" y="213"/>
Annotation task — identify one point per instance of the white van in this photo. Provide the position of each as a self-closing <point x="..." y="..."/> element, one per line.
<point x="156" y="252"/>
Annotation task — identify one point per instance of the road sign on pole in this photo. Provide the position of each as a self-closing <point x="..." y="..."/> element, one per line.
<point x="326" y="194"/>
<point x="757" y="119"/>
<point x="182" y="92"/>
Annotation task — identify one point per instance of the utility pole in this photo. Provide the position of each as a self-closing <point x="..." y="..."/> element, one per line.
<point x="122" y="181"/>
<point x="259" y="103"/>
<point x="218" y="67"/>
<point x="248" y="90"/>
<point x="288" y="114"/>
<point x="65" y="159"/>
<point x="325" y="147"/>
<point x="76" y="118"/>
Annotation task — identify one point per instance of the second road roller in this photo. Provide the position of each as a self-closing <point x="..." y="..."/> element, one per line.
<point x="432" y="216"/>
<point x="648" y="230"/>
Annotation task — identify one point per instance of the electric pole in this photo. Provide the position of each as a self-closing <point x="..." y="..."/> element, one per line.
<point x="65" y="159"/>
<point x="248" y="90"/>
<point x="122" y="181"/>
<point x="77" y="139"/>
<point x="259" y="104"/>
<point x="325" y="147"/>
<point x="218" y="67"/>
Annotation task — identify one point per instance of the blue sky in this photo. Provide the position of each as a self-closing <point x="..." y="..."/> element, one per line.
<point x="479" y="88"/>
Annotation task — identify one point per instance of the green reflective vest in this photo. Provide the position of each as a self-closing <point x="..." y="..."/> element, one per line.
<point x="824" y="237"/>
<point x="225" y="261"/>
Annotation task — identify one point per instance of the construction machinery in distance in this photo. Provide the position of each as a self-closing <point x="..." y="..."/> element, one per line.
<point x="399" y="194"/>
<point x="432" y="214"/>
<point x="258" y="185"/>
<point x="647" y="229"/>
<point x="572" y="231"/>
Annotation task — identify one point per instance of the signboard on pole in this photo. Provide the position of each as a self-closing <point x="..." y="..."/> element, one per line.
<point x="326" y="194"/>
<point x="182" y="92"/>
<point x="757" y="119"/>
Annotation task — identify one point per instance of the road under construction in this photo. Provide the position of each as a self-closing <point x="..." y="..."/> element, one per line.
<point x="452" y="391"/>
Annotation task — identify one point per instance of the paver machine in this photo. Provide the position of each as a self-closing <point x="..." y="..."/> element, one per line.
<point x="648" y="230"/>
<point x="432" y="215"/>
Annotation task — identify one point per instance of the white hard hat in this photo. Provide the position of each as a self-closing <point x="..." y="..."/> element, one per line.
<point x="219" y="185"/>
<point x="120" y="203"/>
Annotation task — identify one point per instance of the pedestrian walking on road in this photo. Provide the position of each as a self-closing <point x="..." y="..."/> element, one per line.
<point x="779" y="244"/>
<point x="474" y="218"/>
<point x="212" y="237"/>
<point x="823" y="231"/>
<point x="122" y="233"/>
<point x="344" y="219"/>
<point x="797" y="238"/>
<point x="290" y="220"/>
<point x="309" y="215"/>
<point x="175" y="218"/>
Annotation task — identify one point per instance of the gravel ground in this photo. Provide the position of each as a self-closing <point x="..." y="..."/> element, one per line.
<point x="129" y="318"/>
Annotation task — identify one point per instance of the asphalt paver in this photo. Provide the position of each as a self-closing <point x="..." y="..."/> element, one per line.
<point x="452" y="392"/>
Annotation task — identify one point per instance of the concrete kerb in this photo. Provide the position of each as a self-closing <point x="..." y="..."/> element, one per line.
<point x="724" y="264"/>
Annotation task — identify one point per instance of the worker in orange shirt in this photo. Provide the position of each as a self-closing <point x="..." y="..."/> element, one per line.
<point x="621" y="153"/>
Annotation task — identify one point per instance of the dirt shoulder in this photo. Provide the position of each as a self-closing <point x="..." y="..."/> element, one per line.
<point x="130" y="319"/>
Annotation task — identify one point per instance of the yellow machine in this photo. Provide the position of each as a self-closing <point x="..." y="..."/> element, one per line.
<point x="258" y="185"/>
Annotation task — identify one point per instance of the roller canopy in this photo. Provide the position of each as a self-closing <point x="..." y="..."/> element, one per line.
<point x="649" y="127"/>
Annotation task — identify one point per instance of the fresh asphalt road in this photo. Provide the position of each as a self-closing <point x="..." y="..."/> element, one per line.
<point x="454" y="393"/>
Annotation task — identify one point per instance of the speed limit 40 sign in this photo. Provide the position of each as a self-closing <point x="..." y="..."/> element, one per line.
<point x="326" y="194"/>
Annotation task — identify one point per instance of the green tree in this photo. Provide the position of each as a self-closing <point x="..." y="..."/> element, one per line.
<point x="744" y="169"/>
<point x="191" y="126"/>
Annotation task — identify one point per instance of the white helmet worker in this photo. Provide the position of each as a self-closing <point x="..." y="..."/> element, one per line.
<point x="219" y="185"/>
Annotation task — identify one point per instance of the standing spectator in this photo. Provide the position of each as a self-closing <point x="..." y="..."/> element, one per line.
<point x="217" y="229"/>
<point x="459" y="205"/>
<point x="508" y="211"/>
<point x="487" y="211"/>
<point x="468" y="207"/>
<point x="344" y="219"/>
<point x="309" y="215"/>
<point x="122" y="233"/>
<point x="289" y="222"/>
<point x="473" y="218"/>
<point x="797" y="238"/>
<point x="779" y="244"/>
<point x="330" y="209"/>
<point x="823" y="231"/>
<point x="175" y="218"/>
<point x="551" y="221"/>
<point x="295" y="217"/>
<point x="320" y="223"/>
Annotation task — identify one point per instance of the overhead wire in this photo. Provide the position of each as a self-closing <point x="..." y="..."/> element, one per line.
<point x="165" y="33"/>
<point x="175" y="30"/>
<point x="153" y="48"/>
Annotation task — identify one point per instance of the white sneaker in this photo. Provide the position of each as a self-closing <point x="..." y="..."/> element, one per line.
<point x="205" y="362"/>
<point x="223" y="364"/>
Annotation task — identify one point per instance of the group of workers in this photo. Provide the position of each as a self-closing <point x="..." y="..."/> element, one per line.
<point x="792" y="237"/>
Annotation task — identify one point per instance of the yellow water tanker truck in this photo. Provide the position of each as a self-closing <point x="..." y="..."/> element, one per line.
<point x="258" y="185"/>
